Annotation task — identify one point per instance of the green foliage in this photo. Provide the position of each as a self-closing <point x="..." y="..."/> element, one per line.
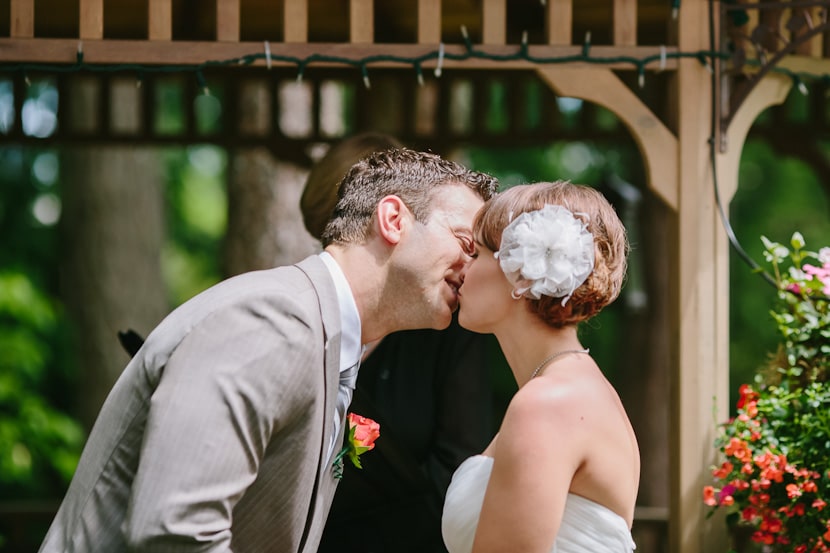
<point x="774" y="194"/>
<point x="802" y="313"/>
<point x="197" y="218"/>
<point x="39" y="445"/>
<point x="775" y="477"/>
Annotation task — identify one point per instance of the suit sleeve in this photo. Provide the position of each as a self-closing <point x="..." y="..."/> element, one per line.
<point x="236" y="380"/>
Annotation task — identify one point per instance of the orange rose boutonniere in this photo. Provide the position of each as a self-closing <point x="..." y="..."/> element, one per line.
<point x="360" y="438"/>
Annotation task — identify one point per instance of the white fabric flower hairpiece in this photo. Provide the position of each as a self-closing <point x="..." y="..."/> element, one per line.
<point x="547" y="252"/>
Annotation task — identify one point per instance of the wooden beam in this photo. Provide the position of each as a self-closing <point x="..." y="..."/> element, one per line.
<point x="559" y="21"/>
<point x="295" y="21"/>
<point x="160" y="20"/>
<point x="92" y="19"/>
<point x="494" y="22"/>
<point x="22" y="15"/>
<point x="227" y="20"/>
<point x="772" y="90"/>
<point x="429" y="21"/>
<point x="625" y="22"/>
<point x="59" y="50"/>
<point x="657" y="144"/>
<point x="361" y="21"/>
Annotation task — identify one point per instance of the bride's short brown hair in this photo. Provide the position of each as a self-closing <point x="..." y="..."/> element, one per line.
<point x="610" y="243"/>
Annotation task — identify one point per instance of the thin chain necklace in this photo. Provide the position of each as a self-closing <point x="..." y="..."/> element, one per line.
<point x="554" y="356"/>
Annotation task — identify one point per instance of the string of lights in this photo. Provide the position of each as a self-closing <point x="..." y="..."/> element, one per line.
<point x="522" y="53"/>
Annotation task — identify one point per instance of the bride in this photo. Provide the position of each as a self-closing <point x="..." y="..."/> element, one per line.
<point x="562" y="473"/>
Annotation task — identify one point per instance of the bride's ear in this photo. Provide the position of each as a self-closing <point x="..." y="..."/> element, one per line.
<point x="392" y="218"/>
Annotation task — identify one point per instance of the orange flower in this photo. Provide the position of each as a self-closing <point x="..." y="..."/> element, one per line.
<point x="782" y="501"/>
<point x="739" y="449"/>
<point x="723" y="471"/>
<point x="360" y="438"/>
<point x="709" y="496"/>
<point x="366" y="431"/>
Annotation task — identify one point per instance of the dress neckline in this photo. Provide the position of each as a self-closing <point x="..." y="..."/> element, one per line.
<point x="571" y="496"/>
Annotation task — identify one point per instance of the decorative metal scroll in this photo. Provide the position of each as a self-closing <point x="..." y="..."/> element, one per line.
<point x="757" y="36"/>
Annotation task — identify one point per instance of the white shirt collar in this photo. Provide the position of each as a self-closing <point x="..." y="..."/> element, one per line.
<point x="350" y="346"/>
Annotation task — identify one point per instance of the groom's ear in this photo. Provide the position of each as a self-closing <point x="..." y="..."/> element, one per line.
<point x="393" y="217"/>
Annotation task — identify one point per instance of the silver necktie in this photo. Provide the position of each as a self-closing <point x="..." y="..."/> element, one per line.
<point x="348" y="379"/>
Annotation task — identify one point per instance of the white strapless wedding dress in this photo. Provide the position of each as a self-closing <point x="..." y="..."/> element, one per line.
<point x="587" y="526"/>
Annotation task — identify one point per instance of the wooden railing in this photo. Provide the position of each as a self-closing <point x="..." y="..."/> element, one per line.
<point x="225" y="33"/>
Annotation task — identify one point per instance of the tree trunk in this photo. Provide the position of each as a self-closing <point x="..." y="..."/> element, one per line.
<point x="265" y="225"/>
<point x="112" y="229"/>
<point x="644" y="382"/>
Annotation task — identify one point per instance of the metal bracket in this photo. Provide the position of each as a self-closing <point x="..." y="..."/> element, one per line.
<point x="756" y="40"/>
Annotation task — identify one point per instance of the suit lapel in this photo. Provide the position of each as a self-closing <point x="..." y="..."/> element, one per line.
<point x="321" y="280"/>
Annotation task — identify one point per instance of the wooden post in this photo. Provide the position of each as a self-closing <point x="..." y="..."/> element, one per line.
<point x="700" y="384"/>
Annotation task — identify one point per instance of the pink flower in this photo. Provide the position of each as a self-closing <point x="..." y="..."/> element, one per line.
<point x="366" y="431"/>
<point x="361" y="438"/>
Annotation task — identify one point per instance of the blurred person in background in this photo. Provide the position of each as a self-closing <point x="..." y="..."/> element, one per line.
<point x="429" y="390"/>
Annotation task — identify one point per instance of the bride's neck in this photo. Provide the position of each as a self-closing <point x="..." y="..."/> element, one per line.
<point x="526" y="345"/>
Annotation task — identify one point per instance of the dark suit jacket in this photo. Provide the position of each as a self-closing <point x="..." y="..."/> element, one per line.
<point x="216" y="436"/>
<point x="430" y="391"/>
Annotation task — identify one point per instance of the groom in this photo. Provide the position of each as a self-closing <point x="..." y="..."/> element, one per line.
<point x="220" y="433"/>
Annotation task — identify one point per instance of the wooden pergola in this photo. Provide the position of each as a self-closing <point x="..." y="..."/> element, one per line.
<point x="595" y="50"/>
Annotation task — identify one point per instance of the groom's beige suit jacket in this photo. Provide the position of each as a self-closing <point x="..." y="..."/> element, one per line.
<point x="216" y="436"/>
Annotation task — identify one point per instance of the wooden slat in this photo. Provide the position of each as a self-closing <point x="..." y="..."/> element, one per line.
<point x="559" y="21"/>
<point x="160" y="20"/>
<point x="429" y="21"/>
<point x="361" y="21"/>
<point x="59" y="50"/>
<point x="625" y="22"/>
<point x="295" y="21"/>
<point x="494" y="22"/>
<point x="92" y="19"/>
<point x="22" y="18"/>
<point x="227" y="20"/>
